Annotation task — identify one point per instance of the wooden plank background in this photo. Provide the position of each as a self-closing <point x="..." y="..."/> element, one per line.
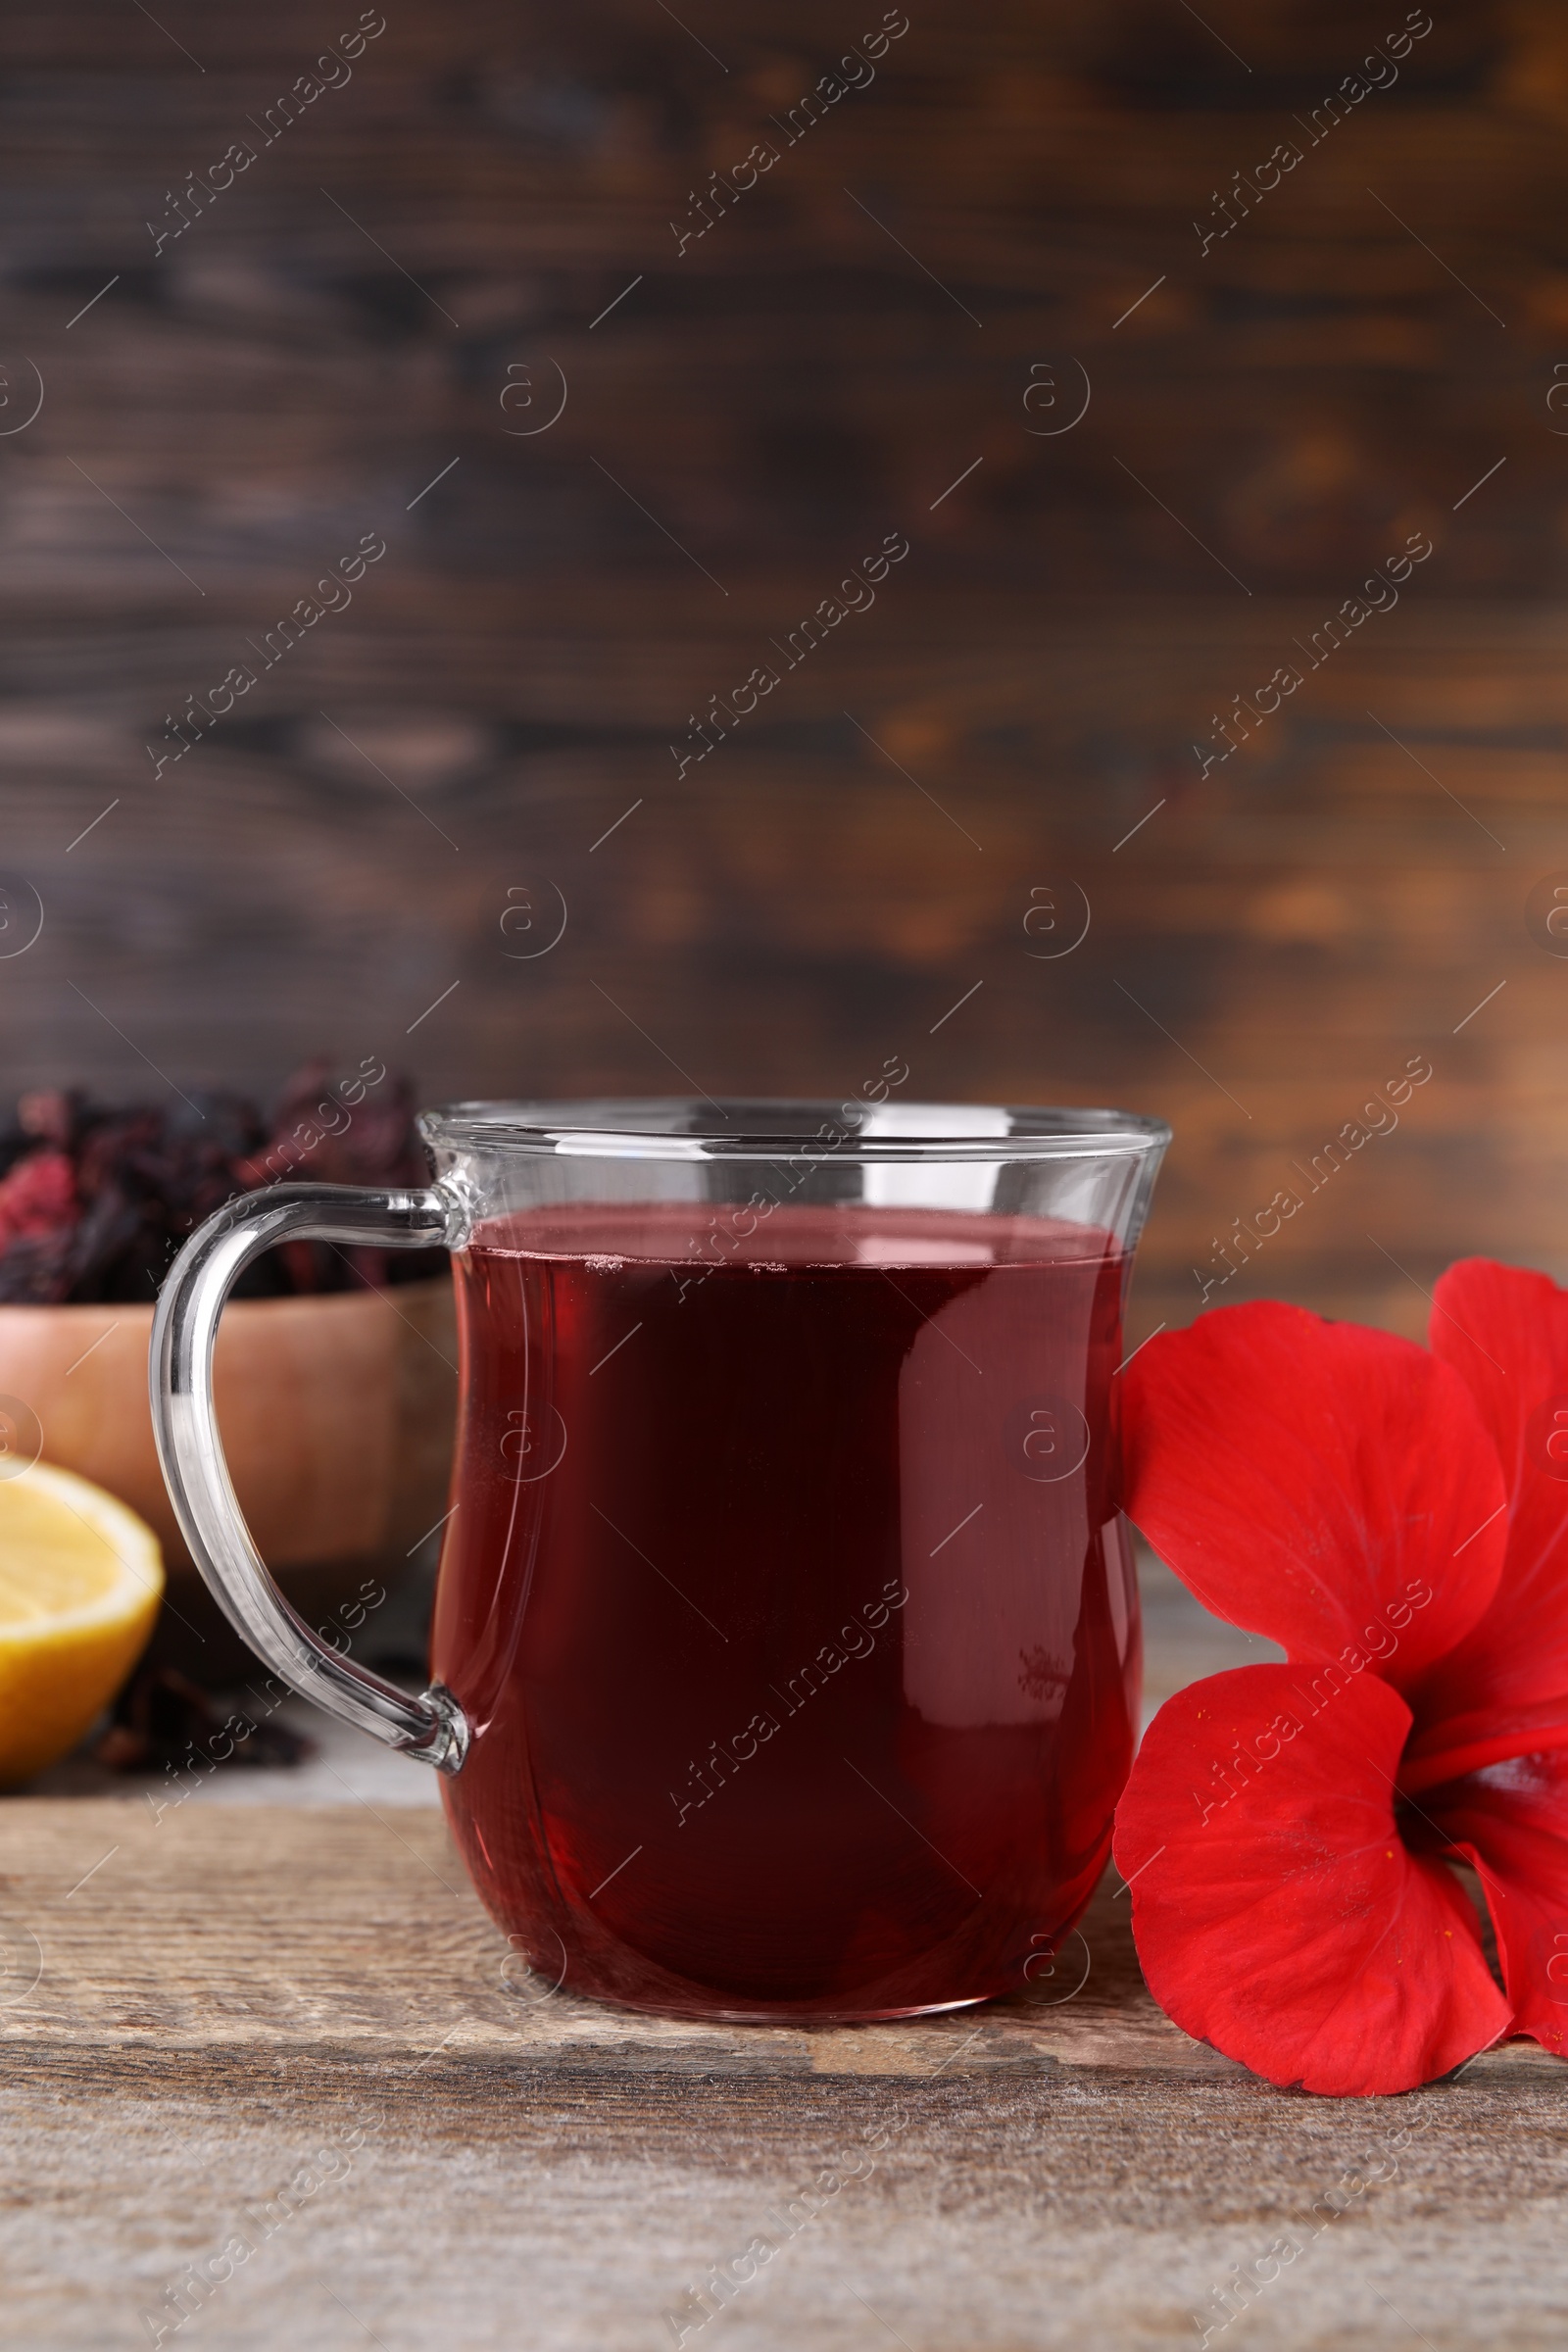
<point x="324" y="350"/>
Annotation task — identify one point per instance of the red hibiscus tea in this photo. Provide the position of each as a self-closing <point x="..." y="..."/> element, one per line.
<point x="787" y="1600"/>
<point x="786" y="1639"/>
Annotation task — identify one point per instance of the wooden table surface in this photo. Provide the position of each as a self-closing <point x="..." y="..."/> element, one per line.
<point x="204" y="2008"/>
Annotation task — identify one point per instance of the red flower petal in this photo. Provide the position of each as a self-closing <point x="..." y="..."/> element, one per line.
<point x="1506" y="1333"/>
<point x="1316" y="1481"/>
<point x="1512" y="1824"/>
<point x="1291" y="1926"/>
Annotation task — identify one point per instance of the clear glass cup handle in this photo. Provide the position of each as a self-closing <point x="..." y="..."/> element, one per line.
<point x="432" y="1727"/>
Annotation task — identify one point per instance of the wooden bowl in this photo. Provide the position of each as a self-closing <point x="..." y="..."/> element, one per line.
<point x="337" y="1416"/>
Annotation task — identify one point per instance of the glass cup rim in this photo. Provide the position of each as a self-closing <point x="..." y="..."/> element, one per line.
<point x="627" y="1127"/>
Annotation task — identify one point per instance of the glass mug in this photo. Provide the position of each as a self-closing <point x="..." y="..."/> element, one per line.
<point x="786" y="1636"/>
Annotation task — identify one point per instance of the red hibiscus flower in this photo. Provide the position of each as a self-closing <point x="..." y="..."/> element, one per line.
<point x="1398" y="1521"/>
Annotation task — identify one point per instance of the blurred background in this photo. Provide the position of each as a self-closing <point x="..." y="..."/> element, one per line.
<point x="511" y="295"/>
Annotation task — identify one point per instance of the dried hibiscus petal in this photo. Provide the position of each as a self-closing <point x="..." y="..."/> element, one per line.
<point x="94" y="1203"/>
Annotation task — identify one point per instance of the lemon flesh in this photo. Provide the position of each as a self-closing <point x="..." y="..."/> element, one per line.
<point x="80" y="1580"/>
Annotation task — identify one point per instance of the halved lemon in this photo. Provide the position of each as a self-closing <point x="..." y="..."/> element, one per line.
<point x="80" y="1580"/>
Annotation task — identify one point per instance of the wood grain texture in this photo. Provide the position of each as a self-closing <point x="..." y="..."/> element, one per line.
<point x="494" y="711"/>
<point x="198" y="2002"/>
<point x="229" y="1991"/>
<point x="337" y="1415"/>
<point x="231" y="1997"/>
